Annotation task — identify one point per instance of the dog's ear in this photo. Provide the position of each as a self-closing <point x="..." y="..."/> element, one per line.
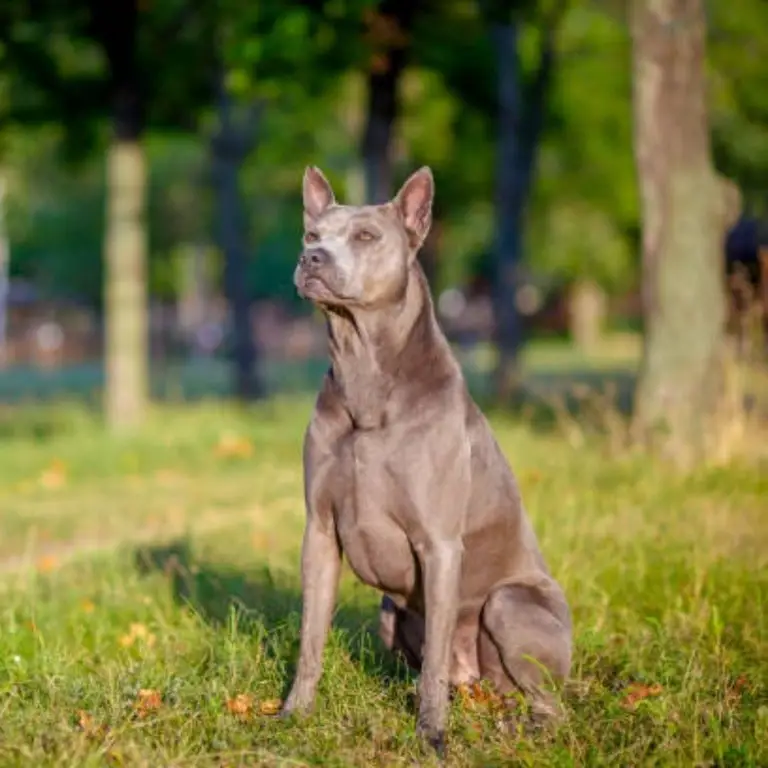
<point x="414" y="202"/>
<point x="317" y="193"/>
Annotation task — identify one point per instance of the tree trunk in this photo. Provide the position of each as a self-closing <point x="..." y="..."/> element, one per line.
<point x="521" y="113"/>
<point x="5" y="259"/>
<point x="684" y="404"/>
<point x="586" y="314"/>
<point x="388" y="32"/>
<point x="231" y="146"/>
<point x="115" y="27"/>
<point x="126" y="305"/>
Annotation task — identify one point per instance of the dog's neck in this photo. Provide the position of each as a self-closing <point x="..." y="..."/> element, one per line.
<point x="384" y="359"/>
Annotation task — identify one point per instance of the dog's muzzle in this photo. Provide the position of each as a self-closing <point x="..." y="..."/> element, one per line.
<point x="312" y="272"/>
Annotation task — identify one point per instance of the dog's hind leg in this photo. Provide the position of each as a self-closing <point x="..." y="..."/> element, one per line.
<point x="527" y="628"/>
<point x="402" y="632"/>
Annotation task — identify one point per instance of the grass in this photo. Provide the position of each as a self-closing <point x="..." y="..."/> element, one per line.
<point x="149" y="603"/>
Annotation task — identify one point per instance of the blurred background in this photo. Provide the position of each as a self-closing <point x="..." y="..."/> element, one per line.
<point x="152" y="151"/>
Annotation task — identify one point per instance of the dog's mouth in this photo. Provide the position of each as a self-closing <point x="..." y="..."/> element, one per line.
<point x="311" y="286"/>
<point x="314" y="288"/>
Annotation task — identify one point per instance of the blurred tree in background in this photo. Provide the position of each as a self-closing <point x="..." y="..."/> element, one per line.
<point x="682" y="397"/>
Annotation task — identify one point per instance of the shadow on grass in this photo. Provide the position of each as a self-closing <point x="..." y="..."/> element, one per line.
<point x="265" y="599"/>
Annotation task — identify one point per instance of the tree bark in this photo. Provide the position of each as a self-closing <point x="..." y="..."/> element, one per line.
<point x="388" y="32"/>
<point x="521" y="115"/>
<point x="126" y="294"/>
<point x="115" y="27"/>
<point x="587" y="306"/>
<point x="5" y="259"/>
<point x="126" y="310"/>
<point x="684" y="402"/>
<point x="231" y="146"/>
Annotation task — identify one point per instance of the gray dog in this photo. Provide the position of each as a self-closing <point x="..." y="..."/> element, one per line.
<point x="403" y="475"/>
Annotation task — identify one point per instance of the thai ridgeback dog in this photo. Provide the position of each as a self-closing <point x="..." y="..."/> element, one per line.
<point x="404" y="477"/>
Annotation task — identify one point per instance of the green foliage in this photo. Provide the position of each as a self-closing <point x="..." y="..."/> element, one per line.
<point x="579" y="240"/>
<point x="307" y="62"/>
<point x="585" y="203"/>
<point x="738" y="44"/>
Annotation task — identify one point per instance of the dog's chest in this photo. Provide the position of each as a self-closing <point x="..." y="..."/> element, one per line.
<point x="368" y="509"/>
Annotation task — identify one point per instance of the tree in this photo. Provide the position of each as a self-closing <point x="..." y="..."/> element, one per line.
<point x="388" y="33"/>
<point x="521" y="111"/>
<point x="55" y="51"/>
<point x="233" y="141"/>
<point x="583" y="213"/>
<point x="682" y="400"/>
<point x="126" y="350"/>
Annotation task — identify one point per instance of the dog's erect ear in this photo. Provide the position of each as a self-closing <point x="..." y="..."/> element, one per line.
<point x="317" y="193"/>
<point x="414" y="201"/>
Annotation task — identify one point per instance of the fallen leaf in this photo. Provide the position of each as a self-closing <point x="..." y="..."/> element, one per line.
<point x="148" y="701"/>
<point x="54" y="476"/>
<point x="638" y="692"/>
<point x="733" y="693"/>
<point x="241" y="705"/>
<point x="89" y="726"/>
<point x="479" y="695"/>
<point x="270" y="707"/>
<point x="137" y="631"/>
<point x="532" y="476"/>
<point x="231" y="446"/>
<point x="47" y="563"/>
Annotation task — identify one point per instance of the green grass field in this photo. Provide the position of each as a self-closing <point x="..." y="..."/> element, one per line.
<point x="149" y="603"/>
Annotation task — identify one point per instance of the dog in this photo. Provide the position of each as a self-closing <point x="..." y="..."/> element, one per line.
<point x="402" y="475"/>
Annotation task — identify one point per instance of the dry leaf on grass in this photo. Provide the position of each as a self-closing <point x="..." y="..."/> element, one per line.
<point x="270" y="707"/>
<point x="478" y="695"/>
<point x="47" y="563"/>
<point x="231" y="446"/>
<point x="638" y="692"/>
<point x="54" y="476"/>
<point x="532" y="476"/>
<point x="148" y="701"/>
<point x="137" y="632"/>
<point x="733" y="692"/>
<point x="241" y="705"/>
<point x="89" y="726"/>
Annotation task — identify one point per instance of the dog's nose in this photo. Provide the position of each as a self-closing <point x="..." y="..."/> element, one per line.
<point x="315" y="257"/>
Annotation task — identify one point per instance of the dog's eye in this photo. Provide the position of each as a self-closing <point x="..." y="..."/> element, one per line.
<point x="311" y="237"/>
<point x="365" y="236"/>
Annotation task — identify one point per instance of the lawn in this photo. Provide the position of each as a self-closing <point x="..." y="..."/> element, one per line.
<point x="150" y="603"/>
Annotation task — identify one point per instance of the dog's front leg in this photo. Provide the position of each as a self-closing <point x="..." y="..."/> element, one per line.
<point x="441" y="565"/>
<point x="320" y="567"/>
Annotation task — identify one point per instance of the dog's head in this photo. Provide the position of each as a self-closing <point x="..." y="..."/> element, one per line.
<point x="360" y="256"/>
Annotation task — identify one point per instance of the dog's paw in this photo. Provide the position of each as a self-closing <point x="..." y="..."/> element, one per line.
<point x="435" y="739"/>
<point x="293" y="707"/>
